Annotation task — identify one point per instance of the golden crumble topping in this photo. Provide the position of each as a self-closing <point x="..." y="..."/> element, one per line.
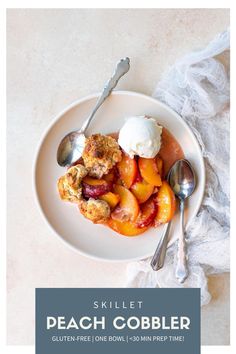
<point x="96" y="210"/>
<point x="67" y="193"/>
<point x="69" y="185"/>
<point x="75" y="174"/>
<point x="100" y="154"/>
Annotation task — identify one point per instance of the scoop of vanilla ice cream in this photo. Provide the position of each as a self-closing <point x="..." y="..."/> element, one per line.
<point x="140" y="136"/>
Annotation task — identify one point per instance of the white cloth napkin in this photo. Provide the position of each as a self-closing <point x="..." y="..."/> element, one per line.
<point x="197" y="87"/>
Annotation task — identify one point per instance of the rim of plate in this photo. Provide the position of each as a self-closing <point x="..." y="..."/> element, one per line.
<point x="54" y="121"/>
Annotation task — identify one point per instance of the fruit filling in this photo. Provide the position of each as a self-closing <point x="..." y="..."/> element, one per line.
<point x="126" y="192"/>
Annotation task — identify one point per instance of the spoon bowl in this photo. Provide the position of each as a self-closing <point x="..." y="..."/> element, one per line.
<point x="182" y="179"/>
<point x="70" y="148"/>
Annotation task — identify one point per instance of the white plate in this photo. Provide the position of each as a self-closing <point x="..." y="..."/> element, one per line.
<point x="98" y="241"/>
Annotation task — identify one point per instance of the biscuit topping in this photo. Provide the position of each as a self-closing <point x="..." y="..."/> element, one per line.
<point x="100" y="154"/>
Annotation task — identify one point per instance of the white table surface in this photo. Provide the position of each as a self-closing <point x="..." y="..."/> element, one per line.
<point x="53" y="58"/>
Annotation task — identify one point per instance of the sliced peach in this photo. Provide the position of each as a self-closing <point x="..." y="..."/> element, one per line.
<point x="127" y="169"/>
<point x="142" y="190"/>
<point x="147" y="213"/>
<point x="126" y="228"/>
<point x="111" y="198"/>
<point x="166" y="204"/>
<point x="94" y="181"/>
<point x="149" y="171"/>
<point x="128" y="208"/>
<point x="159" y="163"/>
<point x="94" y="188"/>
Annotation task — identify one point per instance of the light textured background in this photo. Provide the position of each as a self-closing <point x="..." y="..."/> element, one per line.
<point x="53" y="58"/>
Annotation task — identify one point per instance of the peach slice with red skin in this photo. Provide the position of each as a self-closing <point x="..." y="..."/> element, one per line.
<point x="94" y="188"/>
<point x="149" y="171"/>
<point x="128" y="207"/>
<point x="127" y="169"/>
<point x="111" y="198"/>
<point x="94" y="181"/>
<point x="147" y="213"/>
<point x="142" y="191"/>
<point x="125" y="228"/>
<point x="166" y="204"/>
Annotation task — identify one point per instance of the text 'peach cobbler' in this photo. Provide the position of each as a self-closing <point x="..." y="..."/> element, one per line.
<point x="122" y="184"/>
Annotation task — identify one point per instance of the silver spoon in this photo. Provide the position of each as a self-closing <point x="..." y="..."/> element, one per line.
<point x="183" y="183"/>
<point x="71" y="146"/>
<point x="158" y="259"/>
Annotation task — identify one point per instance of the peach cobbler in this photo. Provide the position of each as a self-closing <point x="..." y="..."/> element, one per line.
<point x="122" y="184"/>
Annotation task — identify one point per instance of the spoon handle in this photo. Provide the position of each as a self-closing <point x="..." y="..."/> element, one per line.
<point x="158" y="259"/>
<point x="181" y="268"/>
<point x="122" y="68"/>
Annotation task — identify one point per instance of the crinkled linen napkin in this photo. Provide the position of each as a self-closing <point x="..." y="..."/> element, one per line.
<point x="197" y="87"/>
